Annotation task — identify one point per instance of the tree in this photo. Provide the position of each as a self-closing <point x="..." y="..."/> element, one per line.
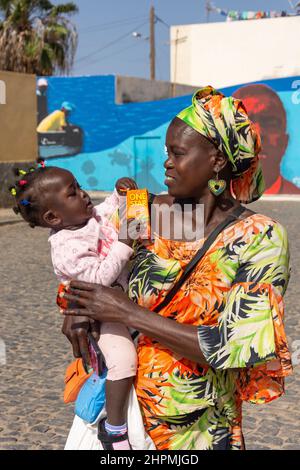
<point x="37" y="37"/>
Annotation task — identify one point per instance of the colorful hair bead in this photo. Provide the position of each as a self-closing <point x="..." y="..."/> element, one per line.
<point x="41" y="162"/>
<point x="22" y="182"/>
<point x="13" y="191"/>
<point x="19" y="172"/>
<point x="25" y="202"/>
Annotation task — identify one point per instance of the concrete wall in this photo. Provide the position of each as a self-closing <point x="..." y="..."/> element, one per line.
<point x="18" y="141"/>
<point x="134" y="90"/>
<point x="229" y="53"/>
<point x="18" y="117"/>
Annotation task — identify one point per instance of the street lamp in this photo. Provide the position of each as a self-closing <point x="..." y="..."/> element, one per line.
<point x="138" y="35"/>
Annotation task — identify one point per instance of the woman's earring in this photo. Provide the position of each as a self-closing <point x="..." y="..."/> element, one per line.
<point x="217" y="186"/>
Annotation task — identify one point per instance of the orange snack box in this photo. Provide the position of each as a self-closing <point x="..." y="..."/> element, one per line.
<point x="137" y="208"/>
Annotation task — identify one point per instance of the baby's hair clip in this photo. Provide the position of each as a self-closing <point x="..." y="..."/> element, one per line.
<point x="25" y="202"/>
<point x="22" y="182"/>
<point x="13" y="190"/>
<point x="31" y="169"/>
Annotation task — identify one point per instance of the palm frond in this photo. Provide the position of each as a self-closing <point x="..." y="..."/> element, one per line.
<point x="36" y="37"/>
<point x="65" y="8"/>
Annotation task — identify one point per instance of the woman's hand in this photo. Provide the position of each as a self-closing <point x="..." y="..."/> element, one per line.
<point x="111" y="305"/>
<point x="76" y="329"/>
<point x="96" y="302"/>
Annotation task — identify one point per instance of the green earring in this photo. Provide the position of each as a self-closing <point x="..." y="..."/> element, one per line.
<point x="217" y="186"/>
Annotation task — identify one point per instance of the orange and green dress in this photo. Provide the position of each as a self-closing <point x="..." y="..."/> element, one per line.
<point x="234" y="297"/>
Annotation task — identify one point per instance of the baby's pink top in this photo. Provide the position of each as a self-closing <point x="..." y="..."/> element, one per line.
<point x="92" y="253"/>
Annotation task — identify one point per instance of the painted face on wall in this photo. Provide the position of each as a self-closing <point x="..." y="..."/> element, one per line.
<point x="266" y="110"/>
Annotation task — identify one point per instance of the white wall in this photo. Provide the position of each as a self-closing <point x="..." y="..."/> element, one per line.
<point x="229" y="53"/>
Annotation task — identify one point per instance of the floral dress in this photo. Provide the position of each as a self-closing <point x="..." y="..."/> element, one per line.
<point x="234" y="297"/>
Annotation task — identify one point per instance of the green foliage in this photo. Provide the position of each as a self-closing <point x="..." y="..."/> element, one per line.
<point x="37" y="37"/>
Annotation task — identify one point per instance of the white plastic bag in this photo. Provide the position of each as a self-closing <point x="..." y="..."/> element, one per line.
<point x="83" y="436"/>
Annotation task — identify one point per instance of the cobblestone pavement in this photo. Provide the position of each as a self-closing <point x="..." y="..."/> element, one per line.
<point x="33" y="415"/>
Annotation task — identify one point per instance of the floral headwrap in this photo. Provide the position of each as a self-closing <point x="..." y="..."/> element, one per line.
<point x="225" y="122"/>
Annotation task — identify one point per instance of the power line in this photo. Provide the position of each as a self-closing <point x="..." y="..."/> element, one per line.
<point x="114" y="53"/>
<point x="100" y="49"/>
<point x="162" y="22"/>
<point x="115" y="24"/>
<point x="134" y="18"/>
<point x="112" y="25"/>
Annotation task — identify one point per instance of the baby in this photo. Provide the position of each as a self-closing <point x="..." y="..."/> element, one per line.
<point x="85" y="245"/>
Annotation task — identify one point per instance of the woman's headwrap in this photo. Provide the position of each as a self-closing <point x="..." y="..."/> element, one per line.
<point x="224" y="121"/>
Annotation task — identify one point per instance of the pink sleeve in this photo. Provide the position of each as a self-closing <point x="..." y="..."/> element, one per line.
<point x="109" y="206"/>
<point x="74" y="260"/>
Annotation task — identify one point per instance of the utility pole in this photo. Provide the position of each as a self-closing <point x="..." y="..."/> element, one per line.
<point x="152" y="43"/>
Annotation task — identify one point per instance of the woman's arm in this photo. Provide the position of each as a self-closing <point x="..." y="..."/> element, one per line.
<point x="179" y="338"/>
<point x="110" y="305"/>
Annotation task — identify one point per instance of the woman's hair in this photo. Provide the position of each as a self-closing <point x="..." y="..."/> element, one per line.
<point x="28" y="193"/>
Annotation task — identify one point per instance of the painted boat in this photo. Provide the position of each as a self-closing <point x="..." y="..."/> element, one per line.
<point x="54" y="144"/>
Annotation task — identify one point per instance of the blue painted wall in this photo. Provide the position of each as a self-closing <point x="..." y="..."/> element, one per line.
<point x="128" y="139"/>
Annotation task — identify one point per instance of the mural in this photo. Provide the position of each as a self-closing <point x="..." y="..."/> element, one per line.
<point x="267" y="110"/>
<point x="82" y="129"/>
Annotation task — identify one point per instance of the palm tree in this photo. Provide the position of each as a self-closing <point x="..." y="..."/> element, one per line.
<point x="37" y="37"/>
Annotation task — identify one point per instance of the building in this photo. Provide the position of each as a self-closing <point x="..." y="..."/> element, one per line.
<point x="229" y="53"/>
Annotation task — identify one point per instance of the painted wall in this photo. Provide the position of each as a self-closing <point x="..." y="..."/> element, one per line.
<point x="229" y="53"/>
<point x="18" y="146"/>
<point x="128" y="139"/>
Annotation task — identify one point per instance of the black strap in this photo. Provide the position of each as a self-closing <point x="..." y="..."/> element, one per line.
<point x="199" y="255"/>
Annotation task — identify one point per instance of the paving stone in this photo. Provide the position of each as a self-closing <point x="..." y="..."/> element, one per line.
<point x="8" y="439"/>
<point x="41" y="428"/>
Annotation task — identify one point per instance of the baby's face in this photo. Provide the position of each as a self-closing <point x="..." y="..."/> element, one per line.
<point x="67" y="200"/>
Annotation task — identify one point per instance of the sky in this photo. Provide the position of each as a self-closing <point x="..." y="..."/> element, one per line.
<point x="105" y="27"/>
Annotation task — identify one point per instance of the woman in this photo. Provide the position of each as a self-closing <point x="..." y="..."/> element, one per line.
<point x="227" y="343"/>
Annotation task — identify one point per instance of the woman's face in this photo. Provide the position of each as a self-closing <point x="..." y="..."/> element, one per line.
<point x="190" y="162"/>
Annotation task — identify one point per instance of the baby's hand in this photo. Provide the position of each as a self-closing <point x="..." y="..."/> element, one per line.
<point x="123" y="184"/>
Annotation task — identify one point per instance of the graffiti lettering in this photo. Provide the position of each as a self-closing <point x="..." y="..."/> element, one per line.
<point x="296" y="94"/>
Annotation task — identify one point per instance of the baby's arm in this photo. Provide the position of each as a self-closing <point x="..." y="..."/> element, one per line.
<point x="74" y="260"/>
<point x="109" y="206"/>
<point x="111" y="203"/>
